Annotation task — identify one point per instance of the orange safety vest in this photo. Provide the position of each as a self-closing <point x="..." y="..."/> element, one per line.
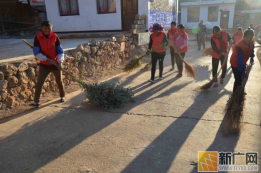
<point x="238" y="37"/>
<point x="157" y="41"/>
<point x="48" y="46"/>
<point x="184" y="34"/>
<point x="172" y="34"/>
<point x="215" y="39"/>
<point x="246" y="49"/>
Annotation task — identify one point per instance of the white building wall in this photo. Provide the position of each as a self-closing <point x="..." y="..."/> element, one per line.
<point x="87" y="20"/>
<point x="143" y="9"/>
<point x="204" y="15"/>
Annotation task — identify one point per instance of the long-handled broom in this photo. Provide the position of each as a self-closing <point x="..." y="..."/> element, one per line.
<point x="210" y="83"/>
<point x="135" y="60"/>
<point x="234" y="108"/>
<point x="188" y="68"/>
<point x="106" y="95"/>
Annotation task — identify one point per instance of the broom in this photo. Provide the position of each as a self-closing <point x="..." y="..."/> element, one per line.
<point x="234" y="108"/>
<point x="210" y="83"/>
<point x="105" y="94"/>
<point x="188" y="68"/>
<point x="147" y="66"/>
<point x="135" y="61"/>
<point x="207" y="51"/>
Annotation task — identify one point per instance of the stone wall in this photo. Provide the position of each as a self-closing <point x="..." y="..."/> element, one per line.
<point x="18" y="79"/>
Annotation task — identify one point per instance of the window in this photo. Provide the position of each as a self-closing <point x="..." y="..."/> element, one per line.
<point x="68" y="7"/>
<point x="213" y="14"/>
<point x="193" y="14"/>
<point x="106" y="6"/>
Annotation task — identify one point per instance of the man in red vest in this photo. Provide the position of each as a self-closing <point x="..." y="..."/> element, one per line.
<point x="48" y="49"/>
<point x="171" y="34"/>
<point x="241" y="53"/>
<point x="219" y="43"/>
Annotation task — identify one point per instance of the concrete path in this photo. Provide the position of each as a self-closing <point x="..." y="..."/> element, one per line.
<point x="16" y="49"/>
<point x="161" y="132"/>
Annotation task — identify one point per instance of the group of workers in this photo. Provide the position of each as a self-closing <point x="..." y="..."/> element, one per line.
<point x="242" y="44"/>
<point x="48" y="49"/>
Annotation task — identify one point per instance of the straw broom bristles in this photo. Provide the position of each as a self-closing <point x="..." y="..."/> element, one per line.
<point x="234" y="108"/>
<point x="106" y="95"/>
<point x="210" y="83"/>
<point x="135" y="60"/>
<point x="147" y="66"/>
<point x="188" y="68"/>
<point x="207" y="51"/>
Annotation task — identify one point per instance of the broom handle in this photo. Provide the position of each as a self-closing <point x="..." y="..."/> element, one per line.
<point x="249" y="67"/>
<point x="174" y="46"/>
<point x="57" y="65"/>
<point x="151" y="51"/>
<point x="224" y="63"/>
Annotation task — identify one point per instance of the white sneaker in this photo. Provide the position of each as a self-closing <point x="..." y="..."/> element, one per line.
<point x="63" y="99"/>
<point x="161" y="78"/>
<point x="151" y="81"/>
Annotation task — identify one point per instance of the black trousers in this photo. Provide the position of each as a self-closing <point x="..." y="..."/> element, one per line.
<point x="172" y="56"/>
<point x="215" y="63"/>
<point x="238" y="78"/>
<point x="179" y="61"/>
<point x="154" y="58"/>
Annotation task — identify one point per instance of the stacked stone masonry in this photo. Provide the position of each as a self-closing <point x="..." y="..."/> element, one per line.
<point x="139" y="25"/>
<point x="18" y="79"/>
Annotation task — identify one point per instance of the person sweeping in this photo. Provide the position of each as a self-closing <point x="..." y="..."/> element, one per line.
<point x="238" y="35"/>
<point x="171" y="34"/>
<point x="181" y="43"/>
<point x="157" y="38"/>
<point x="47" y="48"/>
<point x="219" y="44"/>
<point x="234" y="110"/>
<point x="241" y="53"/>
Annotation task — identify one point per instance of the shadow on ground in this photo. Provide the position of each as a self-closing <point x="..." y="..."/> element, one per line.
<point x="44" y="140"/>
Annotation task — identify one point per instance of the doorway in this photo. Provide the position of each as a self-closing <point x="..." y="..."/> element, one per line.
<point x="224" y="19"/>
<point x="129" y="9"/>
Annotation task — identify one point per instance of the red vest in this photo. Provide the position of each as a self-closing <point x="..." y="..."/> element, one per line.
<point x="184" y="34"/>
<point x="172" y="35"/>
<point x="238" y="37"/>
<point x="215" y="39"/>
<point x="157" y="41"/>
<point x="48" y="46"/>
<point x="246" y="49"/>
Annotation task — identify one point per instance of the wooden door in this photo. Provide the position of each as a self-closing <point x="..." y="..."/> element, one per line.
<point x="129" y="10"/>
<point x="224" y="19"/>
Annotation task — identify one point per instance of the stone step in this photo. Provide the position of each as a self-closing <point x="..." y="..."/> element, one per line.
<point x="138" y="26"/>
<point x="140" y="17"/>
<point x="140" y="22"/>
<point x="135" y="31"/>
